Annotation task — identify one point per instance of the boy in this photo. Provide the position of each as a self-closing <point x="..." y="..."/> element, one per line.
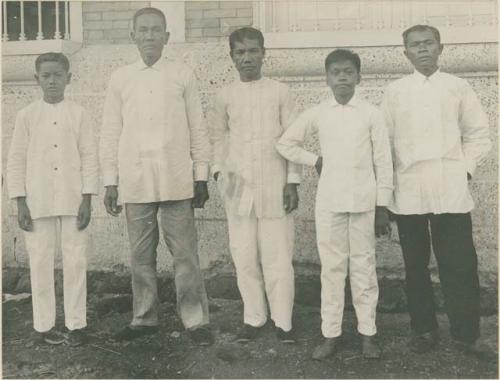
<point x="258" y="187"/>
<point x="439" y="134"/>
<point x="52" y="172"/>
<point x="354" y="188"/>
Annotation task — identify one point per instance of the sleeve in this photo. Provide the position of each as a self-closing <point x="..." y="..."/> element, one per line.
<point x="388" y="117"/>
<point x="200" y="146"/>
<point x="382" y="160"/>
<point x="17" y="157"/>
<point x="112" y="125"/>
<point x="288" y="113"/>
<point x="219" y="130"/>
<point x="474" y="128"/>
<point x="87" y="146"/>
<point x="290" y="143"/>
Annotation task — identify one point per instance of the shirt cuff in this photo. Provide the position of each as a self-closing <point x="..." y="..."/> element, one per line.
<point x="384" y="197"/>
<point x="470" y="166"/>
<point x="310" y="158"/>
<point x="200" y="170"/>
<point x="293" y="178"/>
<point x="110" y="179"/>
<point x="16" y="193"/>
<point x="89" y="189"/>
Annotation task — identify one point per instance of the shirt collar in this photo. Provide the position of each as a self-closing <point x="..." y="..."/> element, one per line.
<point x="419" y="77"/>
<point x="158" y="65"/>
<point x="353" y="102"/>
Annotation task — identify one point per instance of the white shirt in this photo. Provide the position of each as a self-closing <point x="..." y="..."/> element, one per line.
<point x="53" y="158"/>
<point x="247" y="120"/>
<point x="357" y="167"/>
<point x="154" y="141"/>
<point x="439" y="133"/>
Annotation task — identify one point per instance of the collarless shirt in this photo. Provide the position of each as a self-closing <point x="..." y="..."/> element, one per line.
<point x="439" y="133"/>
<point x="357" y="167"/>
<point x="52" y="160"/>
<point x="154" y="141"/>
<point x="246" y="122"/>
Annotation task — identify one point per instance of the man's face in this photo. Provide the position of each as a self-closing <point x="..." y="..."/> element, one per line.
<point x="150" y="36"/>
<point x="342" y="77"/>
<point x="52" y="78"/>
<point x="423" y="51"/>
<point x="247" y="56"/>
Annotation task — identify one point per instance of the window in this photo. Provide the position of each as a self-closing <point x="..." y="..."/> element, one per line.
<point x="33" y="27"/>
<point x="371" y="23"/>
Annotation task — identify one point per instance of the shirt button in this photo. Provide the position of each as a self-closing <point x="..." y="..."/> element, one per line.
<point x="55" y="169"/>
<point x="55" y="145"/>
<point x="55" y="122"/>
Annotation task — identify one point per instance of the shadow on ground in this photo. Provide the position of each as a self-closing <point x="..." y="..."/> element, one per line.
<point x="170" y="354"/>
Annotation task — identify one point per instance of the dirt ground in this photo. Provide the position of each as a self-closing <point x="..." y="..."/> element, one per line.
<point x="170" y="354"/>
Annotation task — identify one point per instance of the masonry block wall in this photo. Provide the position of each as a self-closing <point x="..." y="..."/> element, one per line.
<point x="109" y="22"/>
<point x="214" y="20"/>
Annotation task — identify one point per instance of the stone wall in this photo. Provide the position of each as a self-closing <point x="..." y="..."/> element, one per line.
<point x="302" y="70"/>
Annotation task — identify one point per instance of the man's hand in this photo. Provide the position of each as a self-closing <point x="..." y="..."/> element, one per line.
<point x="319" y="165"/>
<point x="84" y="212"/>
<point x="111" y="199"/>
<point x="290" y="197"/>
<point x="382" y="224"/>
<point x="24" y="215"/>
<point x="200" y="194"/>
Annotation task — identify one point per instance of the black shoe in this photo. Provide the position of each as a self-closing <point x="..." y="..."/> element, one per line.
<point x="76" y="337"/>
<point x="52" y="337"/>
<point x="247" y="333"/>
<point x="326" y="349"/>
<point x="134" y="332"/>
<point x="370" y="348"/>
<point x="202" y="336"/>
<point x="285" y="336"/>
<point x="424" y="342"/>
<point x="477" y="349"/>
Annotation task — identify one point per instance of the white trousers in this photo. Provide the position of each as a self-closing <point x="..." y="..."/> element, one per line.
<point x="347" y="241"/>
<point x="262" y="251"/>
<point x="41" y="244"/>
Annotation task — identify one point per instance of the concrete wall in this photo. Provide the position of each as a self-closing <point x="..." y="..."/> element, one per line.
<point x="303" y="71"/>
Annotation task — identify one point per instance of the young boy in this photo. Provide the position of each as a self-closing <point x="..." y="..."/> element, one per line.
<point x="354" y="188"/>
<point x="258" y="187"/>
<point x="52" y="172"/>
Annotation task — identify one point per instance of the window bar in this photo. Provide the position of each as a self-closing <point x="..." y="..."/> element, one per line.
<point x="274" y="27"/>
<point x="67" y="36"/>
<point x="425" y="21"/>
<point x="57" y="34"/>
<point x="358" y="18"/>
<point x="5" y="35"/>
<point x="39" y="35"/>
<point x="22" y="35"/>
<point x="316" y="16"/>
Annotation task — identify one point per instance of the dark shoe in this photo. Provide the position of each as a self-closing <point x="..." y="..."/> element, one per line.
<point x="285" y="336"/>
<point x="134" y="332"/>
<point x="52" y="337"/>
<point x="370" y="348"/>
<point x="424" y="342"/>
<point x="247" y="333"/>
<point x="325" y="349"/>
<point x="478" y="349"/>
<point x="202" y="336"/>
<point x="76" y="337"/>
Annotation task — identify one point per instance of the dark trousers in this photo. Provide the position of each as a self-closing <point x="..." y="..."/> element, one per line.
<point x="451" y="239"/>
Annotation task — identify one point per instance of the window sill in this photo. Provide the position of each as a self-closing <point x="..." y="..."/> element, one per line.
<point x="38" y="47"/>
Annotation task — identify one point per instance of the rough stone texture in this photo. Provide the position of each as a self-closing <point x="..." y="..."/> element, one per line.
<point x="302" y="71"/>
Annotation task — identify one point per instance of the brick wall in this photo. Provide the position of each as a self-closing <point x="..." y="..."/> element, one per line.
<point x="215" y="20"/>
<point x="109" y="22"/>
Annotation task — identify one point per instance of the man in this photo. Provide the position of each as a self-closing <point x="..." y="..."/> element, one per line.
<point x="439" y="134"/>
<point x="154" y="143"/>
<point x="258" y="187"/>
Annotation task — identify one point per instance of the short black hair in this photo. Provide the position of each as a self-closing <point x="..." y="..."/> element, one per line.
<point x="149" y="10"/>
<point x="52" y="57"/>
<point x="247" y="32"/>
<point x="421" y="28"/>
<point x="343" y="55"/>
